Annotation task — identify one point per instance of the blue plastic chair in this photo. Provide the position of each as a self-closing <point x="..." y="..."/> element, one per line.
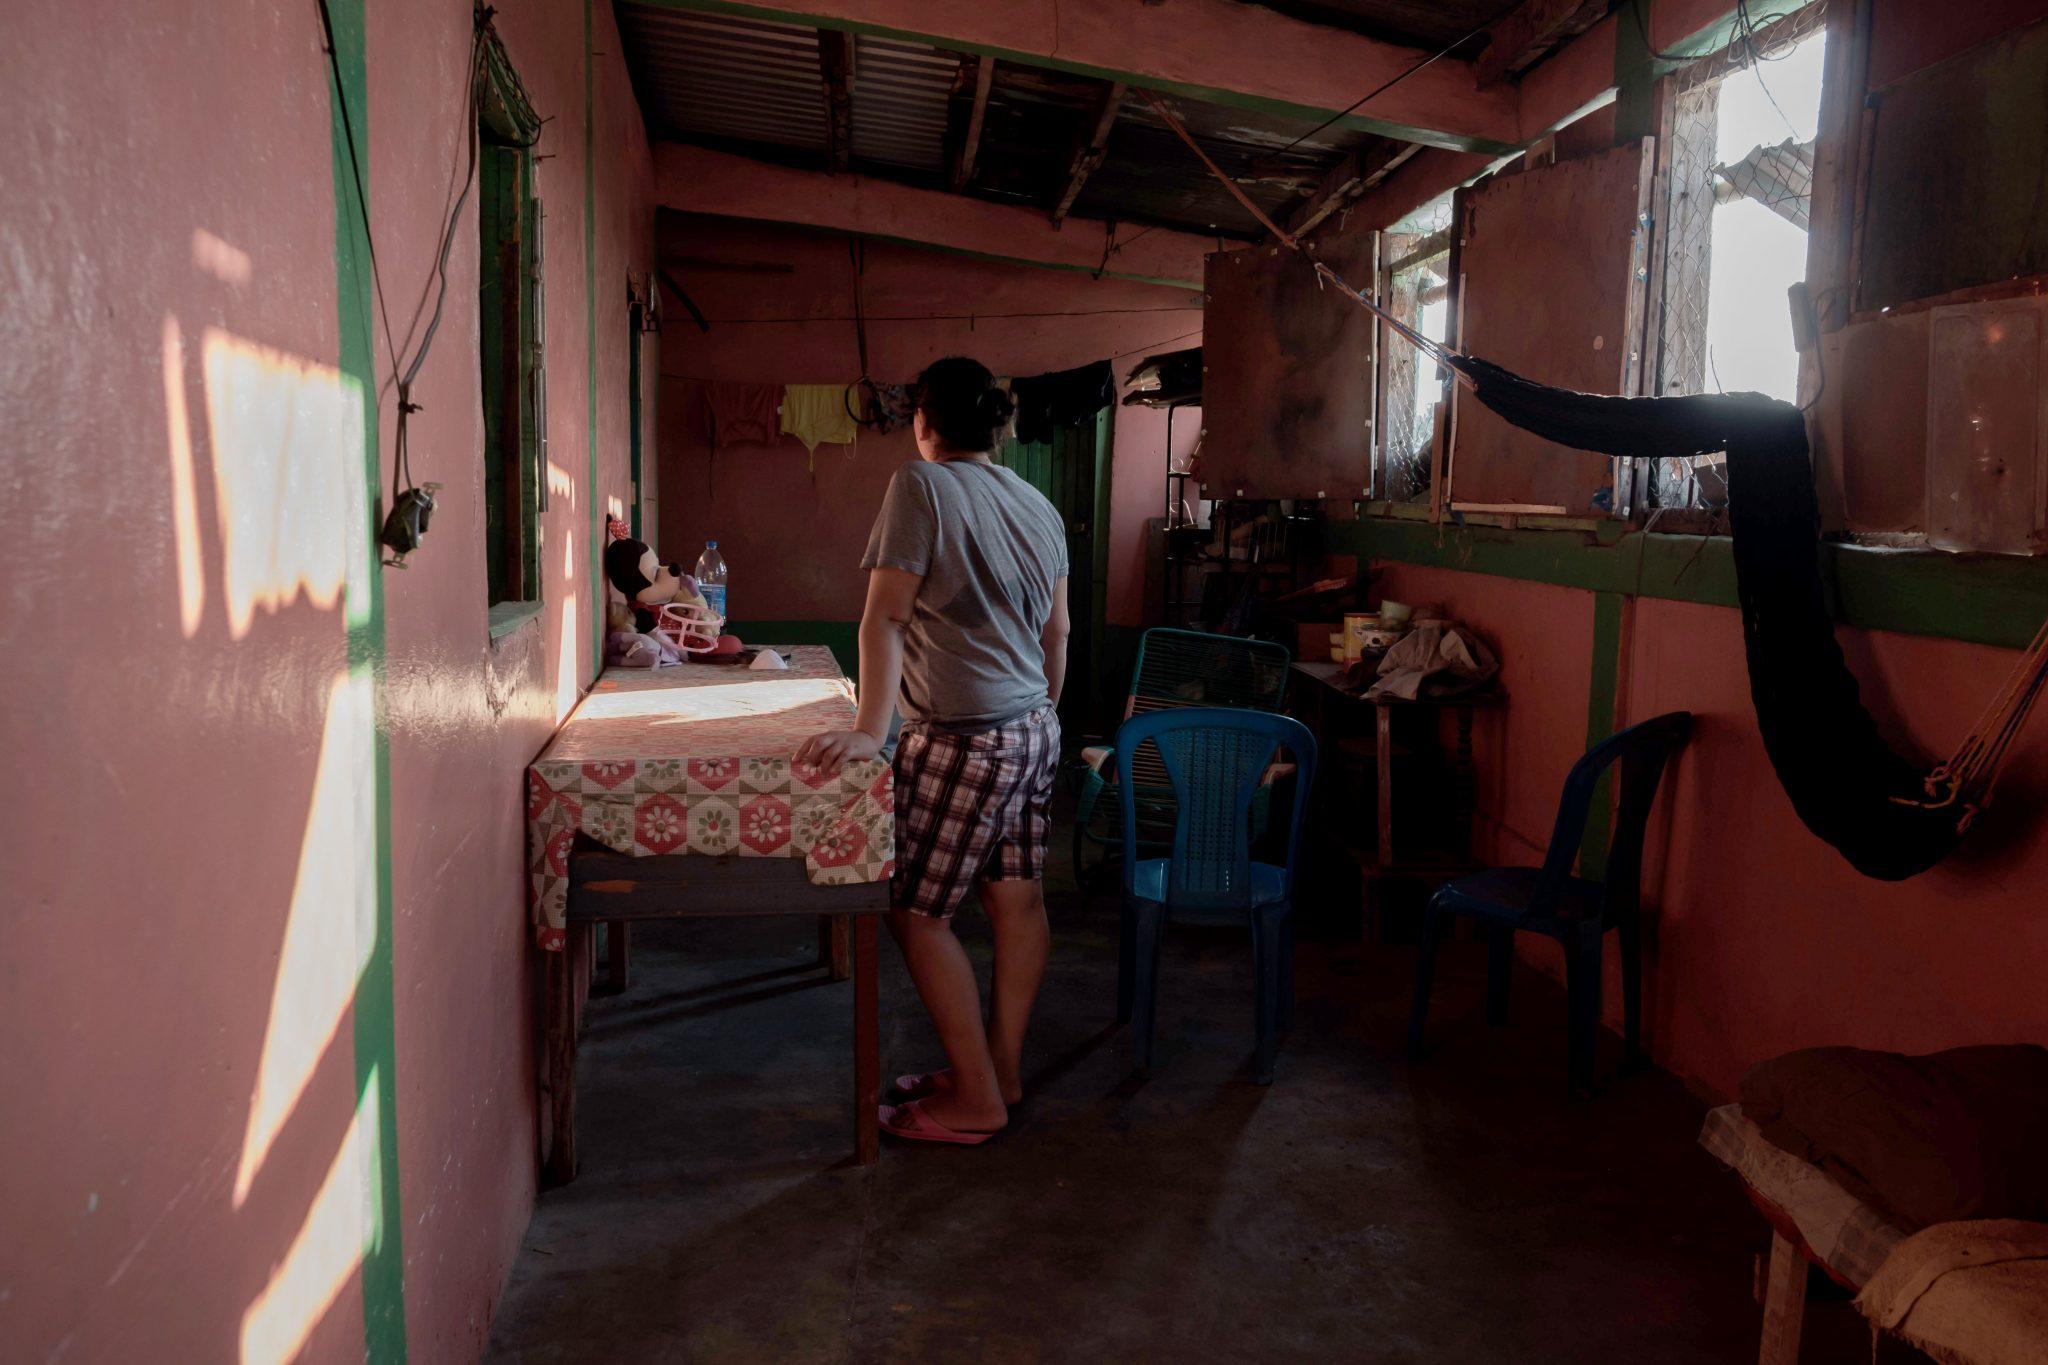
<point x="1215" y="759"/>
<point x="1575" y="911"/>
<point x="1175" y="670"/>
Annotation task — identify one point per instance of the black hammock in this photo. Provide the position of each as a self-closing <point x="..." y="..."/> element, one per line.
<point x="1890" y="818"/>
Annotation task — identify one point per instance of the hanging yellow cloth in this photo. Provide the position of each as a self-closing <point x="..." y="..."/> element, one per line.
<point x="816" y="413"/>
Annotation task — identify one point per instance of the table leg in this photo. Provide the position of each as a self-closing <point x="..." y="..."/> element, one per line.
<point x="832" y="946"/>
<point x="558" y="1054"/>
<point x="1385" y="719"/>
<point x="618" y="948"/>
<point x="1461" y="785"/>
<point x="1784" y="1304"/>
<point x="867" y="1040"/>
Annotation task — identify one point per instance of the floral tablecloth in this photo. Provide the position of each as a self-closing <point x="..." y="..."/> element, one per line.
<point x="696" y="759"/>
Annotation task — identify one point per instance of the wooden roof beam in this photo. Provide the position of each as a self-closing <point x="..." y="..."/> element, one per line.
<point x="698" y="180"/>
<point x="1088" y="154"/>
<point x="835" y="66"/>
<point x="1238" y="55"/>
<point x="1357" y="173"/>
<point x="1525" y="36"/>
<point x="967" y="145"/>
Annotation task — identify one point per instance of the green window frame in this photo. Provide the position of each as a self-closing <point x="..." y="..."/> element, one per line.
<point x="512" y="336"/>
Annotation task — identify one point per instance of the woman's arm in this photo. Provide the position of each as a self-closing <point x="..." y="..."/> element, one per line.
<point x="891" y="593"/>
<point x="1054" y="640"/>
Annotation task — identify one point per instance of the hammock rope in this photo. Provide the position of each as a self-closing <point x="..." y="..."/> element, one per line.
<point x="1889" y="818"/>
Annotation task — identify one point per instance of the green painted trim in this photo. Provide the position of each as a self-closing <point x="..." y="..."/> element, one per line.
<point x="1637" y="69"/>
<point x="1982" y="599"/>
<point x="596" y="527"/>
<point x="374" y="1033"/>
<point x="1098" y="604"/>
<point x="1602" y="701"/>
<point x="633" y="418"/>
<point x="841" y="637"/>
<point x="1235" y="99"/>
<point x="507" y="617"/>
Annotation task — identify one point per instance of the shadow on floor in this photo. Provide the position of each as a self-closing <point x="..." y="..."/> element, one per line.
<point x="1360" y="1209"/>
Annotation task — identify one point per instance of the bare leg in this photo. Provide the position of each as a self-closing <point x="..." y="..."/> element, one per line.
<point x="945" y="982"/>
<point x="1016" y="911"/>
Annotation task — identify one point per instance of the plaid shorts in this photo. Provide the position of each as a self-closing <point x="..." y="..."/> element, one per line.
<point x="972" y="808"/>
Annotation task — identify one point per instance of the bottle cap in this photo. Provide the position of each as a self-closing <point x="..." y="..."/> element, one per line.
<point x="710" y="544"/>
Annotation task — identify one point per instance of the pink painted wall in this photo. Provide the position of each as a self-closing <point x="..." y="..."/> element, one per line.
<point x="1763" y="938"/>
<point x="780" y="303"/>
<point x="193" y="815"/>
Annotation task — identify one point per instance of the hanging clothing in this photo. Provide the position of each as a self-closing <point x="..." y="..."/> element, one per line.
<point x="816" y="413"/>
<point x="1845" y="782"/>
<point x="883" y="408"/>
<point x="1064" y="398"/>
<point x="743" y="414"/>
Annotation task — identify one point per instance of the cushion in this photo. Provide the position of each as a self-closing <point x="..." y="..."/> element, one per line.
<point x="1951" y="1135"/>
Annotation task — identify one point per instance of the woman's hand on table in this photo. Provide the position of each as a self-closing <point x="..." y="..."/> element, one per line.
<point x="832" y="750"/>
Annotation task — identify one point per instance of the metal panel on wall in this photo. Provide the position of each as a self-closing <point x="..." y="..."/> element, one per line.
<point x="1552" y="269"/>
<point x="1287" y="384"/>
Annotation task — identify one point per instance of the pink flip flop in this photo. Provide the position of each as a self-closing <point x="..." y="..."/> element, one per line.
<point x="910" y="1121"/>
<point x="917" y="1085"/>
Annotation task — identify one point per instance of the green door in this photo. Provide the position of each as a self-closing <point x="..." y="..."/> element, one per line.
<point x="1072" y="470"/>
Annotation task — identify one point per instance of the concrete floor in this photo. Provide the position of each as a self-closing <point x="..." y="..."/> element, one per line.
<point x="1359" y="1209"/>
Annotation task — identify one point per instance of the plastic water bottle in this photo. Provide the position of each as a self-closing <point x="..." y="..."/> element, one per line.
<point x="711" y="578"/>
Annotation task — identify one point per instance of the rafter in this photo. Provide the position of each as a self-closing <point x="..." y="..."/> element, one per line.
<point x="967" y="145"/>
<point x="1088" y="154"/>
<point x="1357" y="173"/>
<point x="1522" y="38"/>
<point x="1222" y="51"/>
<point x="835" y="66"/>
<point x="699" y="180"/>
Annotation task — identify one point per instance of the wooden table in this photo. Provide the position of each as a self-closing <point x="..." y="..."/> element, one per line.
<point x="671" y="795"/>
<point x="1321" y="701"/>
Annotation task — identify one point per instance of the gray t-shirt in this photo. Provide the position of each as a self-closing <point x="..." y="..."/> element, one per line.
<point x="990" y="547"/>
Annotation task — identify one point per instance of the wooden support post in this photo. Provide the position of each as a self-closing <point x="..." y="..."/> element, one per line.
<point x="1784" y="1304"/>
<point x="1088" y="154"/>
<point x="618" y="941"/>
<point x="835" y="65"/>
<point x="867" y="1040"/>
<point x="967" y="146"/>
<point x="832" y="946"/>
<point x="558" y="1048"/>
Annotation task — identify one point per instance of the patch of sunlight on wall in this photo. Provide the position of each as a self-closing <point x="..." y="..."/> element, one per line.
<point x="287" y="449"/>
<point x="339" y="1230"/>
<point x="561" y="483"/>
<point x="615" y="508"/>
<point x="1758" y="256"/>
<point x="330" y="927"/>
<point x="569" y="554"/>
<point x="184" y="498"/>
<point x="569" y="650"/>
<point x="226" y="263"/>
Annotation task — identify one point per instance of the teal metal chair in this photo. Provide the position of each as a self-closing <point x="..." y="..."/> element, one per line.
<point x="1215" y="762"/>
<point x="1176" y="669"/>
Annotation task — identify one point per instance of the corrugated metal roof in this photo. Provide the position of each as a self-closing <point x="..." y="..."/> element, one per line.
<point x="702" y="77"/>
<point x="756" y="87"/>
<point x="900" y="93"/>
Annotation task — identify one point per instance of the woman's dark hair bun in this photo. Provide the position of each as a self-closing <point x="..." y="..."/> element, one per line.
<point x="997" y="406"/>
<point x="965" y="407"/>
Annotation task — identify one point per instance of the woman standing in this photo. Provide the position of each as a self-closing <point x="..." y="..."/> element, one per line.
<point x="965" y="630"/>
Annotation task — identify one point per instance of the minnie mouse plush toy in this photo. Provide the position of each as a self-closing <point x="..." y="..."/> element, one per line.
<point x="664" y="599"/>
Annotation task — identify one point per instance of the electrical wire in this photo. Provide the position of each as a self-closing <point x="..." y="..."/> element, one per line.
<point x="404" y="372"/>
<point x="1383" y="88"/>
